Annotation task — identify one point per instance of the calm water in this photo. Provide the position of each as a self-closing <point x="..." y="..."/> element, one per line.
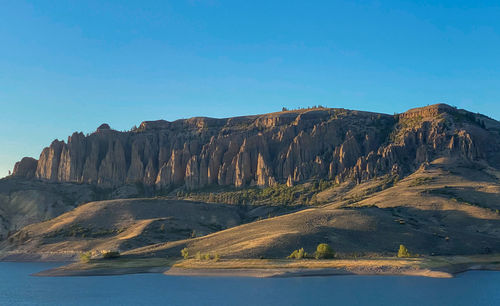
<point x="18" y="288"/>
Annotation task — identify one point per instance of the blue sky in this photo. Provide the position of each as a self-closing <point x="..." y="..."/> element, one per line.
<point x="71" y="65"/>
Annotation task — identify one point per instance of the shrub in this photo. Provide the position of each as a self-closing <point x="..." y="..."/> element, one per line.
<point x="298" y="254"/>
<point x="185" y="253"/>
<point x="403" y="252"/>
<point x="207" y="256"/>
<point x="216" y="257"/>
<point x="85" y="257"/>
<point x="324" y="251"/>
<point x="293" y="255"/>
<point x="110" y="254"/>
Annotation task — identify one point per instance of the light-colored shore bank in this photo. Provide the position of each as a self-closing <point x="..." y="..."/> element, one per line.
<point x="436" y="266"/>
<point x="287" y="272"/>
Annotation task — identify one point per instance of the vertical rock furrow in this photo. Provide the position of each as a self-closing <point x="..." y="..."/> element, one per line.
<point x="288" y="147"/>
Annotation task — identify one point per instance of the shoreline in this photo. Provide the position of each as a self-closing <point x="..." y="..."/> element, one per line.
<point x="57" y="272"/>
<point x="255" y="273"/>
<point x="441" y="267"/>
<point x="287" y="273"/>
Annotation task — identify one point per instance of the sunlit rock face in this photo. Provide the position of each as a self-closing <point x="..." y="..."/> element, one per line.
<point x="286" y="147"/>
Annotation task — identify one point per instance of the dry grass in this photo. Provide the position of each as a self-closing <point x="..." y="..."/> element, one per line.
<point x="299" y="264"/>
<point x="423" y="266"/>
<point x="441" y="261"/>
<point x="120" y="263"/>
<point x="439" y="266"/>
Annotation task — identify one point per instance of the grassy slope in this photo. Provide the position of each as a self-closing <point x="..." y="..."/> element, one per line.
<point x="123" y="224"/>
<point x="446" y="207"/>
<point x="463" y="220"/>
<point x="435" y="211"/>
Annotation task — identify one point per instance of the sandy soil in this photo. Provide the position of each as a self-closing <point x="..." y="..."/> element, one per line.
<point x="442" y="267"/>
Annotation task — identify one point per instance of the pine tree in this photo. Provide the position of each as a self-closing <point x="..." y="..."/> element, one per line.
<point x="403" y="252"/>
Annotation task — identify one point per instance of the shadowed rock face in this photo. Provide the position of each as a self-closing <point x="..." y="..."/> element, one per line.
<point x="286" y="147"/>
<point x="25" y="168"/>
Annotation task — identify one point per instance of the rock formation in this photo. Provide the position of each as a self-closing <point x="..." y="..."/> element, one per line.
<point x="25" y="168"/>
<point x="286" y="147"/>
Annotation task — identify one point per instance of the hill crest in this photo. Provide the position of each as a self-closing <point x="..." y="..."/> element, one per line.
<point x="287" y="147"/>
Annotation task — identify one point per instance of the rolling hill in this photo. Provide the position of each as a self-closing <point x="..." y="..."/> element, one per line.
<point x="263" y="186"/>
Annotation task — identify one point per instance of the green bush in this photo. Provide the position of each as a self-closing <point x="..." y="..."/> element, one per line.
<point x="324" y="251"/>
<point x="85" y="257"/>
<point x="216" y="257"/>
<point x="207" y="256"/>
<point x="185" y="253"/>
<point x="110" y="254"/>
<point x="403" y="252"/>
<point x="279" y="194"/>
<point x="298" y="254"/>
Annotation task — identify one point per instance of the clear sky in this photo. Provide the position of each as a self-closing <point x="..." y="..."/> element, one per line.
<point x="71" y="65"/>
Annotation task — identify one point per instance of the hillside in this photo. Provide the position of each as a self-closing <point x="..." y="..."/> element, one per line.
<point x="435" y="211"/>
<point x="263" y="186"/>
<point x="128" y="224"/>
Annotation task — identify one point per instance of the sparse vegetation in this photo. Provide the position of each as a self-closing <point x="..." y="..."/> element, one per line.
<point x="280" y="194"/>
<point x="216" y="257"/>
<point x="185" y="253"/>
<point x="386" y="181"/>
<point x="203" y="256"/>
<point x="324" y="251"/>
<point x="110" y="254"/>
<point x="285" y="109"/>
<point x="405" y="124"/>
<point x="298" y="254"/>
<point x="452" y="194"/>
<point x="419" y="181"/>
<point x="403" y="252"/>
<point x="85" y="257"/>
<point x="77" y="230"/>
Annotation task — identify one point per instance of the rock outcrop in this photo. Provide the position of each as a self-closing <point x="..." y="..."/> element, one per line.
<point x="25" y="168"/>
<point x="286" y="147"/>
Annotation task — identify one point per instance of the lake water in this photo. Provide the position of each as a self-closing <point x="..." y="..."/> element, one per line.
<point x="18" y="288"/>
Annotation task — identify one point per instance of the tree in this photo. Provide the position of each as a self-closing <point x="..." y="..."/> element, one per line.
<point x="185" y="253"/>
<point x="284" y="109"/>
<point x="324" y="251"/>
<point x="403" y="252"/>
<point x="298" y="254"/>
<point x="85" y="257"/>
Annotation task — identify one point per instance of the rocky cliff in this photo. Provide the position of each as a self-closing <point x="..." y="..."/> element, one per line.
<point x="286" y="147"/>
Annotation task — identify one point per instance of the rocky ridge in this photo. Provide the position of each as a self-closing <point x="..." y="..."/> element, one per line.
<point x="286" y="147"/>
